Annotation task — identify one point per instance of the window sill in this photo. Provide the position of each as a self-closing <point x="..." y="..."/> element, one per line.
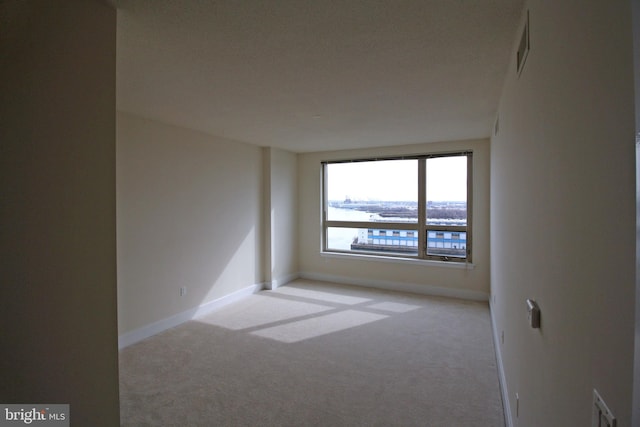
<point x="399" y="260"/>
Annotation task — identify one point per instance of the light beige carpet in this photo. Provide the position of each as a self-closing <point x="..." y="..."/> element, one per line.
<point x="317" y="354"/>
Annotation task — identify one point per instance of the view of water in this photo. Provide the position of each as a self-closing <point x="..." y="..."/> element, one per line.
<point x="341" y="238"/>
<point x="338" y="214"/>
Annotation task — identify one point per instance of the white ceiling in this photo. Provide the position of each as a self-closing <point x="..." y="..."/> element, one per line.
<point x="315" y="75"/>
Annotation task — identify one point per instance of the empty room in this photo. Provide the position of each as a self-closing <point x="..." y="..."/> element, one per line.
<point x="350" y="212"/>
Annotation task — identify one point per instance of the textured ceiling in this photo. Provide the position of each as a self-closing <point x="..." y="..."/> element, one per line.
<point x="314" y="75"/>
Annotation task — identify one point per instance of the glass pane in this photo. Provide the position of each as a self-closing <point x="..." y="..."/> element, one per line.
<point x="447" y="243"/>
<point x="373" y="240"/>
<point x="447" y="190"/>
<point x="381" y="191"/>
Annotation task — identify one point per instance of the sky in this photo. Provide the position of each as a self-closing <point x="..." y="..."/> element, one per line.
<point x="397" y="180"/>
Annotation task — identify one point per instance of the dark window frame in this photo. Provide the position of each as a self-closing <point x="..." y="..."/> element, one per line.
<point x="421" y="228"/>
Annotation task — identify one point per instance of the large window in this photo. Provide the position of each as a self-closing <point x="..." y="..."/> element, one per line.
<point x="415" y="207"/>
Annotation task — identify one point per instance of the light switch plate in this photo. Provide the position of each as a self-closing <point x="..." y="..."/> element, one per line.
<point x="601" y="415"/>
<point x="534" y="313"/>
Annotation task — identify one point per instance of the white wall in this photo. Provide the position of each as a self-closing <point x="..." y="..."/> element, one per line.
<point x="57" y="207"/>
<point x="189" y="214"/>
<point x="281" y="207"/>
<point x="562" y="215"/>
<point x="431" y="277"/>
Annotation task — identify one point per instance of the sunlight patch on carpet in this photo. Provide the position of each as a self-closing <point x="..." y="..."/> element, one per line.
<point x="262" y="311"/>
<point x="322" y="325"/>
<point x="321" y="296"/>
<point x="394" y="307"/>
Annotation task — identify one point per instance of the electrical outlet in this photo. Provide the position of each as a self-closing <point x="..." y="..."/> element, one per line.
<point x="183" y="291"/>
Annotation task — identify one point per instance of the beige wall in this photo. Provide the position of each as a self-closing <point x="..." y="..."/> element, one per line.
<point x="281" y="194"/>
<point x="429" y="277"/>
<point x="563" y="212"/>
<point x="57" y="209"/>
<point x="189" y="214"/>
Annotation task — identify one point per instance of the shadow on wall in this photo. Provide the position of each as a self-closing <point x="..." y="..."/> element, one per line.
<point x="188" y="220"/>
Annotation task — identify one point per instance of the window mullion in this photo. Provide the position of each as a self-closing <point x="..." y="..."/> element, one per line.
<point x="422" y="208"/>
<point x="370" y="224"/>
<point x="469" y="206"/>
<point x="460" y="228"/>
<point x="325" y="204"/>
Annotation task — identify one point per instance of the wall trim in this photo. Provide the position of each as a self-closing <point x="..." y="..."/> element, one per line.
<point x="154" y="328"/>
<point x="501" y="375"/>
<point x="397" y="286"/>
<point x="281" y="281"/>
<point x="398" y="260"/>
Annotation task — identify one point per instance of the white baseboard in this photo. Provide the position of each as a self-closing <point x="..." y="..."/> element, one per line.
<point x="144" y="332"/>
<point x="281" y="281"/>
<point x="401" y="287"/>
<point x="503" y="379"/>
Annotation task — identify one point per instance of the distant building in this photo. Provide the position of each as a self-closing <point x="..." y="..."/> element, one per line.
<point x="446" y="243"/>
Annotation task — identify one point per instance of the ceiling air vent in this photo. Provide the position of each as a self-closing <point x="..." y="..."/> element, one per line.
<point x="523" y="47"/>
